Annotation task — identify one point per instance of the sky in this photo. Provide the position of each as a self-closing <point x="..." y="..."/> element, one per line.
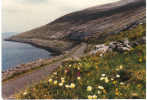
<point x="23" y="15"/>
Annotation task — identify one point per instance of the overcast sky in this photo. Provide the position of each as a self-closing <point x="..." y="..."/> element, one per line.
<point x="23" y="15"/>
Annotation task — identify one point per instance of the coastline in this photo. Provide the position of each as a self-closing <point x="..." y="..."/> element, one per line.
<point x="35" y="64"/>
<point x="56" y="50"/>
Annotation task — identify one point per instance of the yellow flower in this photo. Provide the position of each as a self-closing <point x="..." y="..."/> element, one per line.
<point x="140" y="59"/>
<point x="55" y="73"/>
<point x="89" y="88"/>
<point x="78" y="78"/>
<point x="99" y="92"/>
<point x="120" y="94"/>
<point x="114" y="82"/>
<point x="100" y="87"/>
<point x="65" y="71"/>
<point x="89" y="97"/>
<point x="60" y="66"/>
<point x="63" y="81"/>
<point x="117" y="69"/>
<point x="55" y="82"/>
<point x="60" y="84"/>
<point x="117" y="93"/>
<point x="78" y="67"/>
<point x="106" y="78"/>
<point x="50" y="80"/>
<point x="70" y="65"/>
<point x="104" y="91"/>
<point x="94" y="96"/>
<point x="72" y="85"/>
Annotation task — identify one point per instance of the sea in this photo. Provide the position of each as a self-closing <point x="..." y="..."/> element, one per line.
<point x="15" y="53"/>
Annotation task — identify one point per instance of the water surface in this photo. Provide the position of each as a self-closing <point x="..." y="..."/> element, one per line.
<point x="15" y="53"/>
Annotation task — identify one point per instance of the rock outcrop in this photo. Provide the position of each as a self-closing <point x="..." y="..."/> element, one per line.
<point x="119" y="46"/>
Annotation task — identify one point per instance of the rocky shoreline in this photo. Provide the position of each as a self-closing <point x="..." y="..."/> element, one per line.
<point x="55" y="46"/>
<point x="27" y="66"/>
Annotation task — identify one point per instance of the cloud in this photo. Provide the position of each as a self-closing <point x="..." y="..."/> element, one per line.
<point x="24" y="15"/>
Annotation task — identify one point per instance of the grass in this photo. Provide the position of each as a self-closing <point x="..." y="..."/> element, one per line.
<point x="15" y="75"/>
<point x="138" y="32"/>
<point x="112" y="76"/>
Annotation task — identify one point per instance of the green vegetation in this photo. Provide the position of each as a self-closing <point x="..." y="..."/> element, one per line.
<point x="112" y="76"/>
<point x="132" y="35"/>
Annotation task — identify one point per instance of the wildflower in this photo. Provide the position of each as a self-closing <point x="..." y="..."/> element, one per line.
<point x="70" y="65"/>
<point x="120" y="67"/>
<point x="104" y="91"/>
<point x="140" y="59"/>
<point x="117" y="76"/>
<point x="72" y="85"/>
<point x="108" y="57"/>
<point x="50" y="80"/>
<point x="78" y="78"/>
<point x="106" y="78"/>
<point x="135" y="94"/>
<point x="94" y="96"/>
<point x="67" y="86"/>
<point x="117" y="69"/>
<point x="99" y="92"/>
<point x="80" y="64"/>
<point x="24" y="93"/>
<point x="103" y="75"/>
<point x="106" y="81"/>
<point x="101" y="55"/>
<point x="114" y="82"/>
<point x="121" y="83"/>
<point x="78" y="67"/>
<point x="78" y="73"/>
<point x="62" y="78"/>
<point x="60" y="84"/>
<point x="139" y="54"/>
<point x="120" y="94"/>
<point x="102" y="78"/>
<point x="60" y="66"/>
<point x="112" y="79"/>
<point x="117" y="93"/>
<point x="89" y="97"/>
<point x="100" y="87"/>
<point x="55" y="82"/>
<point x="55" y="73"/>
<point x="65" y="71"/>
<point x="89" y="88"/>
<point x="62" y="81"/>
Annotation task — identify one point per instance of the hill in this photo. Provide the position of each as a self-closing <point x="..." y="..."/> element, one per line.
<point x="88" y="25"/>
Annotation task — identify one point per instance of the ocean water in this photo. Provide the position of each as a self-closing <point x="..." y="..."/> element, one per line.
<point x="15" y="53"/>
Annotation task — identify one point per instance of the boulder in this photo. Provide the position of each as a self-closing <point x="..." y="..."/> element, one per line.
<point x="118" y="44"/>
<point x="142" y="40"/>
<point x="109" y="50"/>
<point x="100" y="46"/>
<point x="112" y="45"/>
<point x="134" y="44"/>
<point x="121" y="49"/>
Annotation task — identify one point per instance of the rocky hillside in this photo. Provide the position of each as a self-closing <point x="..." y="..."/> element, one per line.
<point x="88" y="25"/>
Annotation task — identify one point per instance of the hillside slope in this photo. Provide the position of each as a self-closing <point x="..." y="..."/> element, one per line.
<point x="88" y="25"/>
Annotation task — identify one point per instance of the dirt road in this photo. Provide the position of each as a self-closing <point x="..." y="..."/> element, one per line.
<point x="10" y="87"/>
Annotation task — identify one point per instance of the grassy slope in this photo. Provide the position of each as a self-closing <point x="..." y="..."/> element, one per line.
<point x="132" y="74"/>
